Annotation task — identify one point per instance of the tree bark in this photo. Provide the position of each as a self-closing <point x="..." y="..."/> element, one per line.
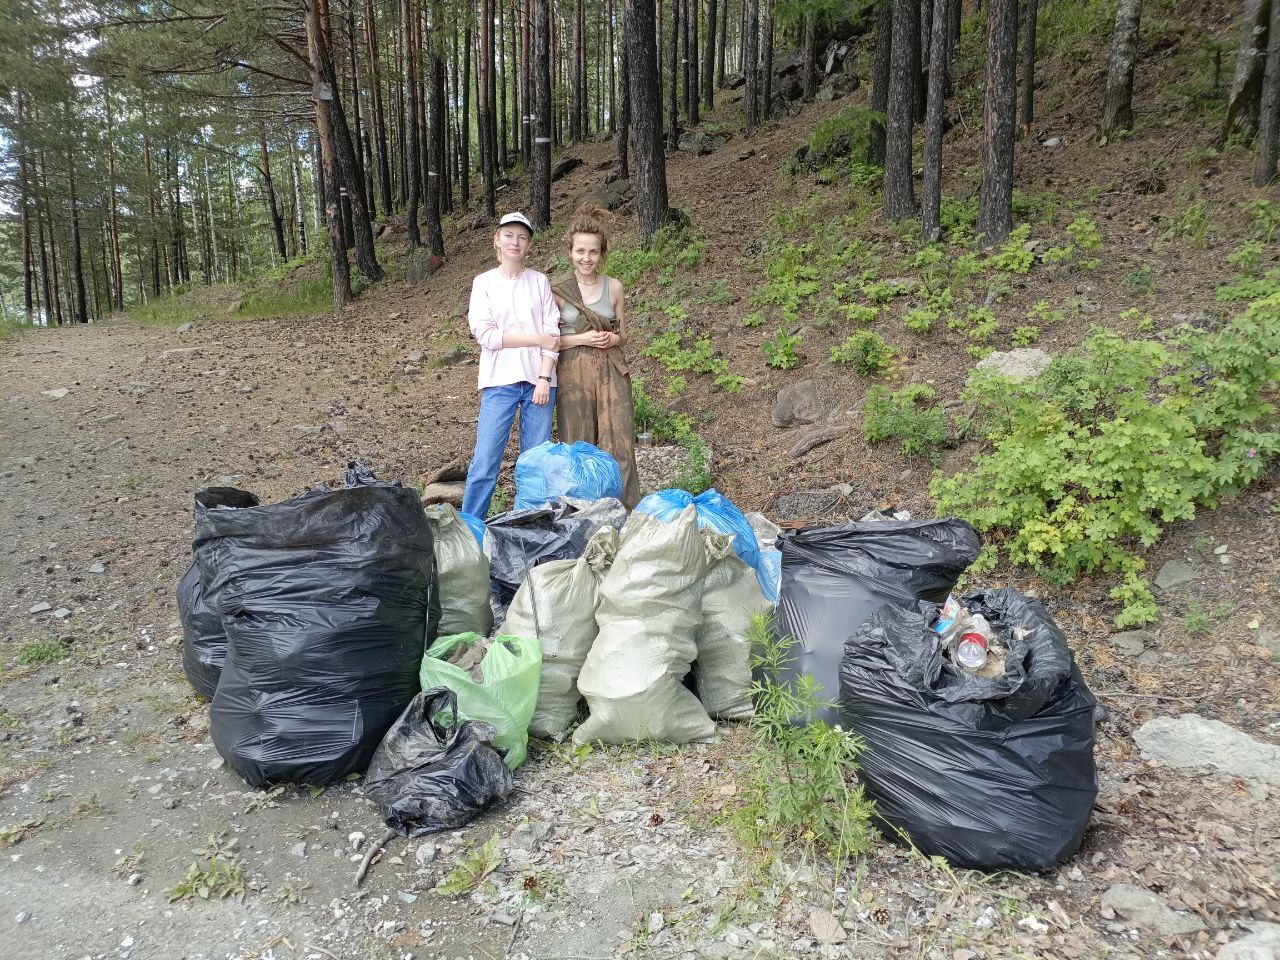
<point x="646" y="104"/>
<point x="1117" y="105"/>
<point x="77" y="258"/>
<point x="1269" y="123"/>
<point x="673" y="79"/>
<point x="995" y="202"/>
<point x="750" y="62"/>
<point x="484" y="112"/>
<point x="922" y="57"/>
<point x="325" y="136"/>
<point x="465" y="141"/>
<point x="624" y="103"/>
<point x="407" y="38"/>
<point x="379" y="116"/>
<point x="691" y="48"/>
<point x="724" y="43"/>
<point x="117" y="273"/>
<point x="1244" y="104"/>
<point x="437" y="174"/>
<point x="766" y="67"/>
<point x="357" y="133"/>
<point x="931" y="210"/>
<point x="899" y="187"/>
<point x="809" y="66"/>
<point x="29" y="295"/>
<point x="296" y="176"/>
<point x="880" y="82"/>
<point x="1029" y="67"/>
<point x="540" y="121"/>
<point x="709" y="58"/>
<point x="501" y="44"/>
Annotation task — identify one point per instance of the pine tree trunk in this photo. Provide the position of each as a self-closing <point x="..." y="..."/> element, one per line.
<point x="692" y="87"/>
<point x="484" y="112"/>
<point x="77" y="259"/>
<point x="516" y="82"/>
<point x="465" y="140"/>
<point x="117" y="273"/>
<point x="750" y="65"/>
<point x="673" y="80"/>
<point x="624" y="103"/>
<point x="1244" y="104"/>
<point x="408" y="15"/>
<point x="766" y="67"/>
<point x="300" y="209"/>
<point x="709" y="58"/>
<point x="325" y="135"/>
<point x="1117" y="105"/>
<point x="540" y="178"/>
<point x="1031" y="15"/>
<point x="880" y="82"/>
<point x="721" y="51"/>
<point x="151" y="209"/>
<point x="501" y="44"/>
<point x="922" y="57"/>
<point x="995" y="201"/>
<point x="646" y="107"/>
<point x="931" y="188"/>
<point x="1269" y="121"/>
<point x="379" y="116"/>
<point x="29" y="295"/>
<point x="899" y="187"/>
<point x="358" y="135"/>
<point x="809" y="66"/>
<point x="268" y="186"/>
<point x="437" y="175"/>
<point x="528" y="107"/>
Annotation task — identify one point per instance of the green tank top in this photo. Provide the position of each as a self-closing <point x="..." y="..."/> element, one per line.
<point x="570" y="316"/>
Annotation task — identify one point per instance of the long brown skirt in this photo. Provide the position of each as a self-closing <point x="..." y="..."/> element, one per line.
<point x="593" y="403"/>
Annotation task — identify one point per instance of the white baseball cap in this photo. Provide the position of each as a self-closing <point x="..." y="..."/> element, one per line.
<point x="516" y="217"/>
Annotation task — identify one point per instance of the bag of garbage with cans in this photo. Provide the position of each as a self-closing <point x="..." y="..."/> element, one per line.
<point x="556" y="605"/>
<point x="462" y="572"/>
<point x="731" y="598"/>
<point x="495" y="680"/>
<point x="204" y="642"/>
<point x="551" y="470"/>
<point x="649" y="611"/>
<point x="433" y="771"/>
<point x="834" y="578"/>
<point x="990" y="772"/>
<point x="326" y="600"/>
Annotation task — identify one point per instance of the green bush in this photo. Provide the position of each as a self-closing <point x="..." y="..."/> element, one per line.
<point x="867" y="351"/>
<point x="665" y="425"/>
<point x="1092" y="458"/>
<point x="842" y="136"/>
<point x="908" y="416"/>
<point x="780" y="351"/>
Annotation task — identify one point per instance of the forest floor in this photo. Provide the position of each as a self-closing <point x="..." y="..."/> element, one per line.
<point x="110" y="790"/>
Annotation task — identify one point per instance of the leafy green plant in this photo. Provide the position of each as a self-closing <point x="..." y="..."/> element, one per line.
<point x="472" y="869"/>
<point x="668" y="349"/>
<point x="753" y="320"/>
<point x="860" y="313"/>
<point x="906" y="415"/>
<point x="1011" y="258"/>
<point x="1141" y="279"/>
<point x="781" y="350"/>
<point x="1025" y="335"/>
<point x="1249" y="288"/>
<point x="794" y="782"/>
<point x="1044" y="314"/>
<point x="1248" y="257"/>
<point x="1196" y="620"/>
<point x="1266" y="218"/>
<point x="919" y="320"/>
<point x="958" y="218"/>
<point x="1084" y="233"/>
<point x="1092" y="458"/>
<point x="670" y="247"/>
<point x="676" y="386"/>
<point x="791" y="277"/>
<point x="730" y="382"/>
<point x="978" y="323"/>
<point x="665" y="425"/>
<point x="214" y="879"/>
<point x="867" y="351"/>
<point x="1055" y="256"/>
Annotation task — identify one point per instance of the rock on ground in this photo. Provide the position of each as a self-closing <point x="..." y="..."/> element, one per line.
<point x="799" y="403"/>
<point x="1194" y="741"/>
<point x="1175" y="573"/>
<point x="1262" y="944"/>
<point x="1020" y="364"/>
<point x="1144" y="908"/>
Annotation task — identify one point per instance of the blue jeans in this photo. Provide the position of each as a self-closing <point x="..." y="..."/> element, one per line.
<point x="498" y="406"/>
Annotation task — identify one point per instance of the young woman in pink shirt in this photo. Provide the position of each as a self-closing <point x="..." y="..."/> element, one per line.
<point x="516" y="321"/>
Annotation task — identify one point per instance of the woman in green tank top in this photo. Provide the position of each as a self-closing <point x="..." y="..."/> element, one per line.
<point x="593" y="402"/>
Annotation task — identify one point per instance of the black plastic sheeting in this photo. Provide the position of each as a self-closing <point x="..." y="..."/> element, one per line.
<point x="327" y="601"/>
<point x="204" y="642"/>
<point x="834" y="578"/>
<point x="988" y="773"/>
<point x="428" y="776"/>
<point x="520" y="540"/>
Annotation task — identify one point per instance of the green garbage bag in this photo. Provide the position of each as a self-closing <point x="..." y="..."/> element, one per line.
<point x="505" y="696"/>
<point x="463" y="572"/>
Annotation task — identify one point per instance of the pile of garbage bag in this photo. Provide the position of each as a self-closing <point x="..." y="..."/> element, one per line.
<point x="325" y="632"/>
<point x="579" y="470"/>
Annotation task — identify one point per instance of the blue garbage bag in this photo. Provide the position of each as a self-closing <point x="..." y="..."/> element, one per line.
<point x="475" y="525"/>
<point x="770" y="574"/>
<point x="716" y="511"/>
<point x="580" y="470"/>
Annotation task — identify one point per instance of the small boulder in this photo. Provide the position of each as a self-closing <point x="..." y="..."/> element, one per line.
<point x="1176" y="573"/>
<point x="1019" y="364"/>
<point x="799" y="403"/>
<point x="187" y="327"/>
<point x="1144" y="909"/>
<point x="1262" y="944"/>
<point x="421" y="267"/>
<point x="444" y="493"/>
<point x="455" y="356"/>
<point x="565" y="167"/>
<point x="57" y="392"/>
<point x="1193" y="741"/>
<point x="700" y="143"/>
<point x="837" y="86"/>
<point x="1130" y="643"/>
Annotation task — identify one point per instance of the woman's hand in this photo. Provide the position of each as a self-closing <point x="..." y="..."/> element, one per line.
<point x="549" y="341"/>
<point x="599" y="339"/>
<point x="542" y="393"/>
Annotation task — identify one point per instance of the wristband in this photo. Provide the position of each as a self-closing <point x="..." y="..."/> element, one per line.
<point x="548" y="379"/>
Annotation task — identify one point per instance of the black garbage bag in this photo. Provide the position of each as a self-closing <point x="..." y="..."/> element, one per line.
<point x="989" y="773"/>
<point x="326" y="601"/>
<point x="520" y="540"/>
<point x="833" y="578"/>
<point x="427" y="775"/>
<point x="204" y="642"/>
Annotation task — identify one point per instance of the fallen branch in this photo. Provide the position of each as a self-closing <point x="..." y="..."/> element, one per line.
<point x="368" y="857"/>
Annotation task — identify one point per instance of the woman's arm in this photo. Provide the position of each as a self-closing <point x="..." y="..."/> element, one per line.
<point x="617" y="298"/>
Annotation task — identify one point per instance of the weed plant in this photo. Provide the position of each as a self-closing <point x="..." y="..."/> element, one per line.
<point x="906" y="415"/>
<point x="867" y="351"/>
<point x="797" y="782"/>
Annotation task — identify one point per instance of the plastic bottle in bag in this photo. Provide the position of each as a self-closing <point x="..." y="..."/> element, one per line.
<point x="975" y="638"/>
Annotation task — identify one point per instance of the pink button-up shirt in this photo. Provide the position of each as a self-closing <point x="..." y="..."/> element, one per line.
<point x="500" y="304"/>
